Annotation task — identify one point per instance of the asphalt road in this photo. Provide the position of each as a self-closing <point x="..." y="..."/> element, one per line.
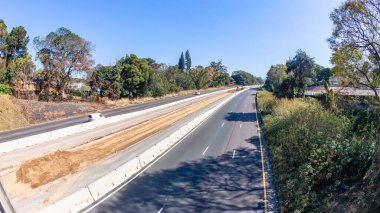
<point x="216" y="168"/>
<point x="46" y="127"/>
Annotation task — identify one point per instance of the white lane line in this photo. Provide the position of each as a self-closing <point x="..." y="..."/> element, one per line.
<point x="240" y="125"/>
<point x="222" y="124"/>
<point x="205" y="150"/>
<point x="233" y="155"/>
<point x="159" y="211"/>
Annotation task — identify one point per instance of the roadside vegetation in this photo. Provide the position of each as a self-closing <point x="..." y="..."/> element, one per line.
<point x="325" y="151"/>
<point x="68" y="71"/>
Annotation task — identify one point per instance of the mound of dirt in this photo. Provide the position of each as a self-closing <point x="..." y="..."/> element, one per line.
<point x="42" y="170"/>
<point x="11" y="115"/>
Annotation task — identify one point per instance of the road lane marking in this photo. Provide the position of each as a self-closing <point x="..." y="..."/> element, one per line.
<point x="222" y="124"/>
<point x="240" y="125"/>
<point x="233" y="155"/>
<point x="262" y="165"/>
<point x="159" y="211"/>
<point x="205" y="150"/>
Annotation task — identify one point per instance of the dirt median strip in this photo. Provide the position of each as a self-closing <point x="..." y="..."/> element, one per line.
<point x="42" y="170"/>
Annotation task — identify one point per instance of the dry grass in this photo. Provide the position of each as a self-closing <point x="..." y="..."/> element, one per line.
<point x="11" y="115"/>
<point x="42" y="170"/>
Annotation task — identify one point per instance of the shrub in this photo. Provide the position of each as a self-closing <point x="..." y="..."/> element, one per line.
<point x="312" y="152"/>
<point x="5" y="89"/>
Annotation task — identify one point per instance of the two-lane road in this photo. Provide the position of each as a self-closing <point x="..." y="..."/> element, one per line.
<point x="46" y="127"/>
<point x="216" y="168"/>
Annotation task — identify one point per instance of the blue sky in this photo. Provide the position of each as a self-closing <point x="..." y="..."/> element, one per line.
<point x="248" y="35"/>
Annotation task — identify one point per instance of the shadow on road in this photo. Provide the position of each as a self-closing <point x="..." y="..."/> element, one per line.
<point x="212" y="184"/>
<point x="238" y="116"/>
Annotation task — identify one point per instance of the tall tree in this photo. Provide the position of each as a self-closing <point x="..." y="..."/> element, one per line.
<point x="15" y="44"/>
<point x="107" y="79"/>
<point x="356" y="42"/>
<point x="301" y="71"/>
<point x="63" y="53"/>
<point x="3" y="34"/>
<point x="221" y="76"/>
<point x="202" y="77"/>
<point x="244" y="78"/>
<point x="181" y="62"/>
<point x="275" y="76"/>
<point x="188" y="60"/>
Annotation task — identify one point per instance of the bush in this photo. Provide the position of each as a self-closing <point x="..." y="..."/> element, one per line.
<point x="5" y="89"/>
<point x="313" y="153"/>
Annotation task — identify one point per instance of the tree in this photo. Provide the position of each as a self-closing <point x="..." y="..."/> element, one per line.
<point x="244" y="78"/>
<point x="275" y="76"/>
<point x="300" y="69"/>
<point x="62" y="53"/>
<point x="221" y="78"/>
<point x="136" y="76"/>
<point x="355" y="42"/>
<point x="181" y="63"/>
<point x="15" y="44"/>
<point x="322" y="74"/>
<point x="188" y="60"/>
<point x="202" y="77"/>
<point x="107" y="79"/>
<point x="3" y="34"/>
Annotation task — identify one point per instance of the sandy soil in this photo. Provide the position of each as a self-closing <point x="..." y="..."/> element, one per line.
<point x="40" y="171"/>
<point x="11" y="115"/>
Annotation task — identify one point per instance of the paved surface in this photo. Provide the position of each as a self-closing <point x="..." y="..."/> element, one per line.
<point x="217" y="168"/>
<point x="41" y="128"/>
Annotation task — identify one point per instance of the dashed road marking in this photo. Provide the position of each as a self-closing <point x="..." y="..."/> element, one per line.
<point x="233" y="155"/>
<point x="204" y="152"/>
<point x="222" y="124"/>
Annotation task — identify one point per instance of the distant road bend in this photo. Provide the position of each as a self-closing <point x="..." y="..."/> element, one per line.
<point x="216" y="168"/>
<point x="46" y="127"/>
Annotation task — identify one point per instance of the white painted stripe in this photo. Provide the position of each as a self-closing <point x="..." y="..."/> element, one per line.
<point x="205" y="150"/>
<point x="159" y="211"/>
<point x="233" y="155"/>
<point x="222" y="124"/>
<point x="240" y="125"/>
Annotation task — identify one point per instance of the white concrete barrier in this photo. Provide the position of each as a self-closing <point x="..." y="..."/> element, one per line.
<point x="105" y="184"/>
<point x="34" y="139"/>
<point x="9" y="146"/>
<point x="128" y="169"/>
<point x="59" y="133"/>
<point x="72" y="203"/>
<point x="148" y="155"/>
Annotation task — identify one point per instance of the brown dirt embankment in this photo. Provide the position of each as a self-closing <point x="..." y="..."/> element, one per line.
<point x="11" y="116"/>
<point x="42" y="170"/>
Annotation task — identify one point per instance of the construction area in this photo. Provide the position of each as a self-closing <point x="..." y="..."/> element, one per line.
<point x="40" y="175"/>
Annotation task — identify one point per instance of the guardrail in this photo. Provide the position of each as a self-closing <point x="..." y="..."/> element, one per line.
<point x="12" y="145"/>
<point x="96" y="190"/>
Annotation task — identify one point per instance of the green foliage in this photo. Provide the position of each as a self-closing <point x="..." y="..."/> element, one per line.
<point x="107" y="79"/>
<point x="300" y="70"/>
<point x="221" y="76"/>
<point x="181" y="62"/>
<point x="63" y="53"/>
<point x="321" y="74"/>
<point x="313" y="152"/>
<point x="355" y="42"/>
<point x="188" y="60"/>
<point x="245" y="78"/>
<point x="15" y="44"/>
<point x="202" y="77"/>
<point x="5" y="89"/>
<point x="275" y="76"/>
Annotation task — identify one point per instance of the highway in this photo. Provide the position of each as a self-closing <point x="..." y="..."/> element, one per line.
<point x="216" y="168"/>
<point x="46" y="127"/>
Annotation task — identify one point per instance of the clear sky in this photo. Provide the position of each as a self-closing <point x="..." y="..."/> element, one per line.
<point x="248" y="35"/>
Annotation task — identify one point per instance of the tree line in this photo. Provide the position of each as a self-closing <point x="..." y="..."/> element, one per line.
<point x="64" y="54"/>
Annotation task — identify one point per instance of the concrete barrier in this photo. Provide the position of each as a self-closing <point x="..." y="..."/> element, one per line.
<point x="59" y="133"/>
<point x="128" y="169"/>
<point x="72" y="203"/>
<point x="148" y="155"/>
<point x="9" y="146"/>
<point x="105" y="184"/>
<point x="33" y="140"/>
